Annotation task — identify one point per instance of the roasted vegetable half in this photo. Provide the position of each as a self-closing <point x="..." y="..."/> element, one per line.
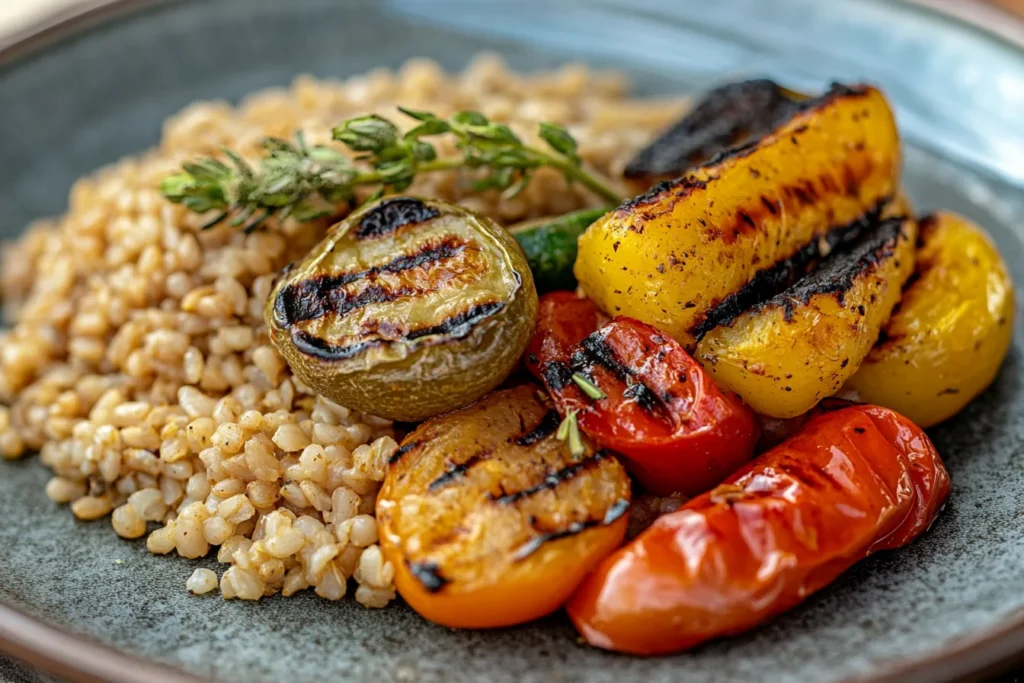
<point x="409" y="308"/>
<point x="669" y="256"/>
<point x="851" y="483"/>
<point x="636" y="391"/>
<point x="952" y="330"/>
<point x="785" y="354"/>
<point x="490" y="519"/>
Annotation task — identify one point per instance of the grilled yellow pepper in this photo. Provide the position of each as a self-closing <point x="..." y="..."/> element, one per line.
<point x="784" y="355"/>
<point x="670" y="256"/>
<point x="409" y="308"/>
<point x="952" y="330"/>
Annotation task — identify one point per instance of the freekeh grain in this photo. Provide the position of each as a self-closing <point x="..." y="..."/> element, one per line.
<point x="138" y="365"/>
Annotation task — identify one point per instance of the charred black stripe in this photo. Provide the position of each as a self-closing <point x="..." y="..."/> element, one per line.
<point x="460" y="325"/>
<point x="316" y="297"/>
<point x="392" y="214"/>
<point x="595" y="348"/>
<point x="556" y="374"/>
<point x="643" y="395"/>
<point x="456" y="471"/>
<point x="553" y="480"/>
<point x="319" y="348"/>
<point x="401" y="452"/>
<point x="428" y="574"/>
<point x="775" y="279"/>
<point x="616" y="511"/>
<point x="545" y="428"/>
<point x="730" y="122"/>
<point x="455" y="327"/>
<point x="841" y="268"/>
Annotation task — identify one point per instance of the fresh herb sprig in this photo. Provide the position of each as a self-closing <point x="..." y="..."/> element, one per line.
<point x="306" y="182"/>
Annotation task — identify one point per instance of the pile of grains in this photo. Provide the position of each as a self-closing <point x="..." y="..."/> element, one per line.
<point x="139" y="367"/>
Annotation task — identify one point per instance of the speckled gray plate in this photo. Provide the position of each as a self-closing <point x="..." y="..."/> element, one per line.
<point x="950" y="605"/>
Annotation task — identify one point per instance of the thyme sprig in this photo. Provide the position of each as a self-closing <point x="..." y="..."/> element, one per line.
<point x="307" y="182"/>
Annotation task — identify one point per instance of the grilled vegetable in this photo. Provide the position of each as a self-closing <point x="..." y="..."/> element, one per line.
<point x="637" y="392"/>
<point x="786" y="354"/>
<point x="853" y="482"/>
<point x="488" y="518"/>
<point x="727" y="117"/>
<point x="550" y="246"/>
<point x="946" y="341"/>
<point x="407" y="309"/>
<point x="668" y="257"/>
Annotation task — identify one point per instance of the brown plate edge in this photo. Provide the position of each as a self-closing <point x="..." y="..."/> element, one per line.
<point x="77" y="658"/>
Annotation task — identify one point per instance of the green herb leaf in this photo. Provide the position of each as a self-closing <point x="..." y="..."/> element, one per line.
<point x="588" y="387"/>
<point x="367" y="133"/>
<point x="560" y="140"/>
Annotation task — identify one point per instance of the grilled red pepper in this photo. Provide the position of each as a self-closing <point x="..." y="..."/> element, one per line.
<point x="852" y="482"/>
<point x="653" y="404"/>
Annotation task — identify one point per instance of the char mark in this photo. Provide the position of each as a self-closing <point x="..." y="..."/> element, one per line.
<point x="456" y="327"/>
<point x="615" y="512"/>
<point x="460" y="325"/>
<point x="730" y="121"/>
<point x="458" y="471"/>
<point x="317" y="296"/>
<point x="784" y="274"/>
<point x="557" y="375"/>
<point x="727" y="116"/>
<point x="392" y="214"/>
<point x="545" y="428"/>
<point x="595" y="348"/>
<point x="553" y="479"/>
<point x="840" y="270"/>
<point x="428" y="574"/>
<point x="401" y="452"/>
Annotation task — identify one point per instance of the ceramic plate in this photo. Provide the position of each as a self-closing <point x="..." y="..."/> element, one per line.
<point x="88" y="92"/>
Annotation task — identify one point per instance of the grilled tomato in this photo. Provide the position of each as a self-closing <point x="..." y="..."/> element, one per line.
<point x="648" y="400"/>
<point x="785" y="354"/>
<point x="852" y="482"/>
<point x="946" y="341"/>
<point x="409" y="308"/>
<point x="490" y="520"/>
<point x="670" y="255"/>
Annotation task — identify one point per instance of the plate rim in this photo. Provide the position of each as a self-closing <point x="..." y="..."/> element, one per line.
<point x="58" y="651"/>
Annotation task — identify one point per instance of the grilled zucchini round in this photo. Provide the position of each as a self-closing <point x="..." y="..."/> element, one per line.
<point x="409" y="308"/>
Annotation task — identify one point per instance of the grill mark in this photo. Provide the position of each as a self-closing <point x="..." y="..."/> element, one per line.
<point x="316" y="297"/>
<point x="457" y="471"/>
<point x="401" y="452"/>
<point x="428" y="574"/>
<point x="596" y="349"/>
<point x="773" y="280"/>
<point x="456" y="327"/>
<point x="615" y="512"/>
<point x="545" y="428"/>
<point x="840" y="270"/>
<point x="721" y="146"/>
<point x="556" y="374"/>
<point x="552" y="480"/>
<point x="391" y="214"/>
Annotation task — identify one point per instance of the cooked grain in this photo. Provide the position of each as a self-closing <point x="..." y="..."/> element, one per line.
<point x="139" y="366"/>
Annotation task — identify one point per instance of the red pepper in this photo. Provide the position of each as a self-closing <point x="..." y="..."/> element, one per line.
<point x="677" y="431"/>
<point x="852" y="482"/>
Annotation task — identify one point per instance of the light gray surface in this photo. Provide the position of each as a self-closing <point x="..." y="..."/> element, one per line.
<point x="95" y="98"/>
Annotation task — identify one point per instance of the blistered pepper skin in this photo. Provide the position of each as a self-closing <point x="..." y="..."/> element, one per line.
<point x="852" y="482"/>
